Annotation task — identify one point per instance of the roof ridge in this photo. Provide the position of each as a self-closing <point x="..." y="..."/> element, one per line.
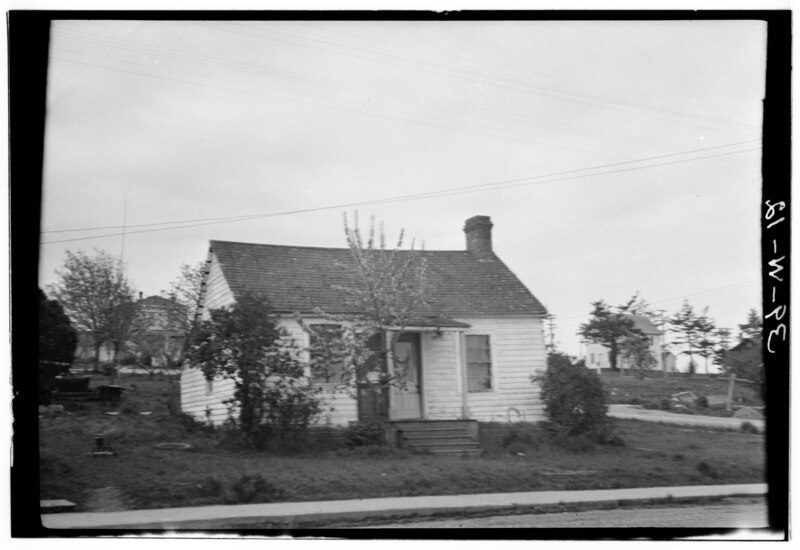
<point x="421" y="250"/>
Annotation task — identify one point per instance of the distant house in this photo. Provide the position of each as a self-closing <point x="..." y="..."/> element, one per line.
<point x="472" y="359"/>
<point x="158" y="334"/>
<point x="161" y="326"/>
<point x="669" y="361"/>
<point x="84" y="351"/>
<point x="597" y="354"/>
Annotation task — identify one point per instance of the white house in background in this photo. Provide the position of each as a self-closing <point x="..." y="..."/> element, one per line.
<point x="597" y="354"/>
<point x="471" y="357"/>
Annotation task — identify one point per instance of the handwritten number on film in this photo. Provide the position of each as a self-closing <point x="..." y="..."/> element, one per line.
<point x="775" y="264"/>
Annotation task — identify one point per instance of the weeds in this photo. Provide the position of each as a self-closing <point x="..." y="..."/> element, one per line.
<point x="254" y="488"/>
<point x="707" y="470"/>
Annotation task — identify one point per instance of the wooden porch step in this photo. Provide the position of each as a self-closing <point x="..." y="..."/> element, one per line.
<point x="434" y="432"/>
<point x="436" y="447"/>
<point x="437" y="437"/>
<point x="457" y="451"/>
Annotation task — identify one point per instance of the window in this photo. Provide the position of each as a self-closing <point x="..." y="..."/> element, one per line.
<point x="479" y="363"/>
<point x="326" y="354"/>
<point x="209" y="387"/>
<point x="591" y="361"/>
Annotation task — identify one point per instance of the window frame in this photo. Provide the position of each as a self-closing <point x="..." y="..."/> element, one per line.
<point x="333" y="378"/>
<point x="490" y="376"/>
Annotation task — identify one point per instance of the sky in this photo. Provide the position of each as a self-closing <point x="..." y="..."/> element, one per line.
<point x="613" y="157"/>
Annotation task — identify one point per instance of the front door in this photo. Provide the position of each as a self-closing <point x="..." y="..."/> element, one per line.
<point x="407" y="401"/>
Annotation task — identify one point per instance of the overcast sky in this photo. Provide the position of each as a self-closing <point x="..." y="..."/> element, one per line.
<point x="612" y="157"/>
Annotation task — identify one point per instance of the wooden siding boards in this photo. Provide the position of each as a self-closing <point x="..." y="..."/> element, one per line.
<point x="517" y="348"/>
<point x="217" y="291"/>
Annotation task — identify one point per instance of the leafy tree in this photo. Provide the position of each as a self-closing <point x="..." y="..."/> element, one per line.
<point x="608" y="328"/>
<point x="636" y="350"/>
<point x="723" y="344"/>
<point x="706" y="331"/>
<point x="637" y="305"/>
<point x="57" y="338"/>
<point x="685" y="325"/>
<point x="745" y="359"/>
<point x="392" y="290"/>
<point x="752" y="328"/>
<point x="245" y="344"/>
<point x="574" y="397"/>
<point x="96" y="294"/>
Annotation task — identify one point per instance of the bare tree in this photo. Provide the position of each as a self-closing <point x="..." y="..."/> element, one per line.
<point x="96" y="294"/>
<point x="685" y="324"/>
<point x="185" y="288"/>
<point x="392" y="290"/>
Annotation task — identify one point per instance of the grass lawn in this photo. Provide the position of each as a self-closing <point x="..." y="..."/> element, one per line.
<point x="142" y="476"/>
<point x="628" y="388"/>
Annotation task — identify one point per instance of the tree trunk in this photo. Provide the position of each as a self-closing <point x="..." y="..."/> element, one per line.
<point x="612" y="357"/>
<point x="96" y="367"/>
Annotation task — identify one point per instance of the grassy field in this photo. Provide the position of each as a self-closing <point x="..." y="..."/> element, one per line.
<point x="624" y="389"/>
<point x="142" y="476"/>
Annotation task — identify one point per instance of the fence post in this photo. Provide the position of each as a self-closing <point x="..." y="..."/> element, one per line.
<point x="730" y="392"/>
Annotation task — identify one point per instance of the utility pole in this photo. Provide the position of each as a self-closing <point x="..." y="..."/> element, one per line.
<point x="661" y="322"/>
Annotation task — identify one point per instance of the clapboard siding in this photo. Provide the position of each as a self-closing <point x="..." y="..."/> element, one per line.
<point x="517" y="347"/>
<point x="202" y="405"/>
<point x="518" y="352"/>
<point x="218" y="293"/>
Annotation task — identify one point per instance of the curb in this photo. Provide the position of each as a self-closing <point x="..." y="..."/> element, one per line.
<point x="288" y="513"/>
<point x="630" y="412"/>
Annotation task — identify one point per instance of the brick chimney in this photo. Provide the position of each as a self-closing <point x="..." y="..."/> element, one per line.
<point x="479" y="236"/>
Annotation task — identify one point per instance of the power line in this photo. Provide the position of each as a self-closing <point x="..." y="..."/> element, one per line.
<point x="434" y="194"/>
<point x="442" y="192"/>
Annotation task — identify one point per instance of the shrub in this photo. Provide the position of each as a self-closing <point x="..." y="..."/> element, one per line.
<point x="707" y="470"/>
<point x="651" y="404"/>
<point x="520" y="438"/>
<point x="359" y="434"/>
<point x="254" y="488"/>
<point x="665" y="405"/>
<point x="749" y="428"/>
<point x="702" y="402"/>
<point x="574" y="398"/>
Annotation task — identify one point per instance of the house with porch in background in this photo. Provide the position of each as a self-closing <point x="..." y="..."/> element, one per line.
<point x="470" y="358"/>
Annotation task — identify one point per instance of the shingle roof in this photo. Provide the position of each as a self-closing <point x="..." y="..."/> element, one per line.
<point x="159" y="301"/>
<point x="302" y="278"/>
<point x="643" y="323"/>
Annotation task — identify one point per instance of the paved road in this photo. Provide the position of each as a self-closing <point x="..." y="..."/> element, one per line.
<point x="742" y="515"/>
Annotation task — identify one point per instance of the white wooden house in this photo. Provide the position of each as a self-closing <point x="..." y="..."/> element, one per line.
<point x="597" y="354"/>
<point x="472" y="359"/>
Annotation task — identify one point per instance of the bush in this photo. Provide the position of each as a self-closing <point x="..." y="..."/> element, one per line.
<point x="359" y="434"/>
<point x="520" y="438"/>
<point x="574" y="398"/>
<point x="254" y="488"/>
<point x="651" y="404"/>
<point x="749" y="428"/>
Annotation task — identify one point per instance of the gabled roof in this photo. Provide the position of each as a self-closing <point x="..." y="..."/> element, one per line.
<point x="159" y="301"/>
<point x="643" y="323"/>
<point x="300" y="279"/>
